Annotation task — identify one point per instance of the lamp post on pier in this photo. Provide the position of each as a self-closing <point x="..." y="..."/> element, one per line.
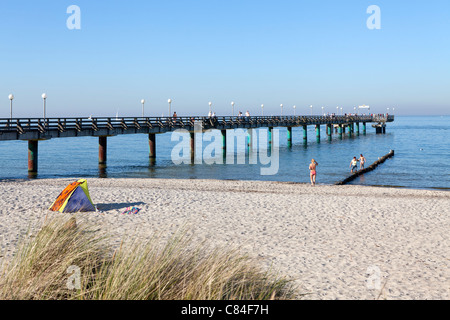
<point x="44" y="98"/>
<point x="11" y="98"/>
<point x="311" y="109"/>
<point x="142" y="102"/>
<point x="262" y="110"/>
<point x="295" y="107"/>
<point x="232" y="108"/>
<point x="281" y="106"/>
<point x="210" y="104"/>
<point x="170" y="105"/>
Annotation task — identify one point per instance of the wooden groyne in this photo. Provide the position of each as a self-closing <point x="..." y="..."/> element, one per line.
<point x="365" y="170"/>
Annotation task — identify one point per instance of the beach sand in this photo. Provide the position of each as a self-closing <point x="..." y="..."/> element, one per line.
<point x="337" y="242"/>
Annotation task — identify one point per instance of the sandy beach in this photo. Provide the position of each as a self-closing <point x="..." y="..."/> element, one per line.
<point x="337" y="242"/>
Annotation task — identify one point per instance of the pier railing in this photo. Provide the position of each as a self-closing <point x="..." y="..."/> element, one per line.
<point x="40" y="128"/>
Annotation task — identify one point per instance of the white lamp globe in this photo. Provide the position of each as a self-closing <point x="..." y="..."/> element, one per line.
<point x="142" y="101"/>
<point x="11" y="97"/>
<point x="44" y="96"/>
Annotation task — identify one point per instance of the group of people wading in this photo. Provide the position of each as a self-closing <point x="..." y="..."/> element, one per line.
<point x="353" y="167"/>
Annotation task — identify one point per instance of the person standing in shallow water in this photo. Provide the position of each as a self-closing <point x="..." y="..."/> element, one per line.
<point x="353" y="165"/>
<point x="362" y="161"/>
<point x="313" y="171"/>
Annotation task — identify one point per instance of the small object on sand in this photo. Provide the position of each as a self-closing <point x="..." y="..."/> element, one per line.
<point x="131" y="210"/>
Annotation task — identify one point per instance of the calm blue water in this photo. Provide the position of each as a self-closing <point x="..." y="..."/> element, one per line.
<point x="421" y="144"/>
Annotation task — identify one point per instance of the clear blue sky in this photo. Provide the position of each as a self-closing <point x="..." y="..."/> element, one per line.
<point x="301" y="53"/>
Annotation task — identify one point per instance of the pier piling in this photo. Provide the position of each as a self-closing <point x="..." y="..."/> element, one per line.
<point x="32" y="156"/>
<point x="224" y="139"/>
<point x="289" y="135"/>
<point x="380" y="128"/>
<point x="192" y="135"/>
<point x="102" y="149"/>
<point x="152" y="145"/>
<point x="329" y="130"/>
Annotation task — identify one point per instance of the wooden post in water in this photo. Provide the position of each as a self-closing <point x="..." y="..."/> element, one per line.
<point x="224" y="139"/>
<point x="270" y="135"/>
<point x="102" y="147"/>
<point x="340" y="130"/>
<point x="364" y="128"/>
<point x="192" y="134"/>
<point x="318" y="132"/>
<point x="32" y="156"/>
<point x="305" y="134"/>
<point x="152" y="145"/>
<point x="289" y="136"/>
<point x="380" y="128"/>
<point x="329" y="130"/>
<point x="349" y="129"/>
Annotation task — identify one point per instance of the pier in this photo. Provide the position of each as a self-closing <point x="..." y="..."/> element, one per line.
<point x="34" y="130"/>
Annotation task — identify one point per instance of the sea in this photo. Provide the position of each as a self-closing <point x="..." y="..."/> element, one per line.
<point x="421" y="145"/>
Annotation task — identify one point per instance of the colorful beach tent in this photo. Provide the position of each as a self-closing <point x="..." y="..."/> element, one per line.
<point x="74" y="198"/>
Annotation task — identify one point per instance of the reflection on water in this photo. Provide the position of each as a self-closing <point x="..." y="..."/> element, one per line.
<point x="362" y="179"/>
<point x="102" y="172"/>
<point x="32" y="175"/>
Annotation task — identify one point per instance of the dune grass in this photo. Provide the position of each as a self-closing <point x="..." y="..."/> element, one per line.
<point x="175" y="269"/>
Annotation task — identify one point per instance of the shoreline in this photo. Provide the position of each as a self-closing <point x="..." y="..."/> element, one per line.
<point x="204" y="179"/>
<point x="328" y="238"/>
